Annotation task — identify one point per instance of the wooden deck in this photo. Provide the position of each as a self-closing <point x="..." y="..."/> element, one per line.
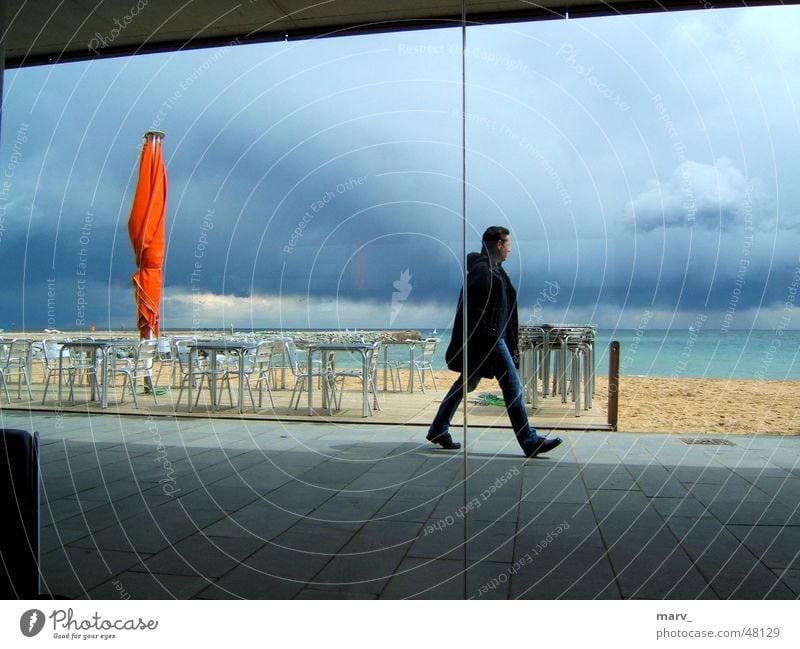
<point x="398" y="408"/>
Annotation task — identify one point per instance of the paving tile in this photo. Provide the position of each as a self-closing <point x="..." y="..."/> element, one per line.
<point x="276" y="571"/>
<point x="791" y="578"/>
<point x="594" y="581"/>
<point x="314" y="593"/>
<point x="655" y="481"/>
<point x="200" y="555"/>
<point x="310" y="536"/>
<point x="52" y="537"/>
<point x="71" y="571"/>
<point x="785" y="490"/>
<point x="572" y="519"/>
<point x="59" y="509"/>
<point x="408" y="508"/>
<point x="226" y="499"/>
<point x="754" y="584"/>
<point x="776" y="547"/>
<point x="384" y="535"/>
<point x="260" y="478"/>
<point x="485" y="541"/>
<point x="298" y="495"/>
<point x="731" y="569"/>
<point x="148" y="585"/>
<point x="684" y="507"/>
<point x="348" y="507"/>
<point x="562" y="485"/>
<point x="334" y="474"/>
<point x="366" y="573"/>
<point x="417" y="578"/>
<point x="260" y="520"/>
<point x="662" y="573"/>
<point x="151" y="532"/>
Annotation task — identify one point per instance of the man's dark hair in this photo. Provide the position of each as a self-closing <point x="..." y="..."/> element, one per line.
<point x="495" y="233"/>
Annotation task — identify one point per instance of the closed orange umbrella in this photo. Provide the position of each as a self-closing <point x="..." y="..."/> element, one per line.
<point x="146" y="228"/>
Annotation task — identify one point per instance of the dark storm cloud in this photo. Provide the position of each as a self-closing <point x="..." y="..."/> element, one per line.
<point x="308" y="179"/>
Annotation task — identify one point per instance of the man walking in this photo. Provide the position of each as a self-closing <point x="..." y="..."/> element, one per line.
<point x="491" y="345"/>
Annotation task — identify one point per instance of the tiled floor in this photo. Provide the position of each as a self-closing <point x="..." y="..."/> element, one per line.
<point x="147" y="507"/>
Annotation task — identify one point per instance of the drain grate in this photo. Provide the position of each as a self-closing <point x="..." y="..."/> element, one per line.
<point x="706" y="441"/>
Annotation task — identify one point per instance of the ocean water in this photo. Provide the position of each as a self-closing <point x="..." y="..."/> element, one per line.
<point x="755" y="354"/>
<point x="732" y="354"/>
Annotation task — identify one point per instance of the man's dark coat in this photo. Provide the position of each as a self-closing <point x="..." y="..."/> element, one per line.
<point x="486" y="282"/>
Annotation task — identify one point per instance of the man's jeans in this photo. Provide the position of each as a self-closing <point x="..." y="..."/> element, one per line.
<point x="513" y="394"/>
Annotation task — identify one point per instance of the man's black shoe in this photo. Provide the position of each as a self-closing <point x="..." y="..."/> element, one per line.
<point x="444" y="440"/>
<point x="541" y="445"/>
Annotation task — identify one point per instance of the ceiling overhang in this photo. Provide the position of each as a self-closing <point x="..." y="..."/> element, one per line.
<point x="52" y="32"/>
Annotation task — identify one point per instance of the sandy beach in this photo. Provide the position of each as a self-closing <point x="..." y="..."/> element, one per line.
<point x="667" y="405"/>
<point x="684" y="405"/>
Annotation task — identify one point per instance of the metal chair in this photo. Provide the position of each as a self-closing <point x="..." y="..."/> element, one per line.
<point x="423" y="362"/>
<point x="258" y="364"/>
<point x="372" y="364"/>
<point x="139" y="367"/>
<point x="53" y="350"/>
<point x="201" y="372"/>
<point x="82" y="365"/>
<point x="300" y="374"/>
<point x="165" y="356"/>
<point x="14" y="356"/>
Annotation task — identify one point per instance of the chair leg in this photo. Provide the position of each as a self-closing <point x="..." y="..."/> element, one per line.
<point x="299" y="383"/>
<point x="132" y="382"/>
<point x="125" y="385"/>
<point x="265" y="379"/>
<point x="72" y="375"/>
<point x="374" y="393"/>
<point x="433" y="379"/>
<point x="46" y="386"/>
<point x="149" y="381"/>
<point x="5" y="387"/>
<point x="184" y="380"/>
<point x="421" y="378"/>
<point x="199" y="390"/>
<point x="28" y="384"/>
<point x="230" y="392"/>
<point x="250" y="392"/>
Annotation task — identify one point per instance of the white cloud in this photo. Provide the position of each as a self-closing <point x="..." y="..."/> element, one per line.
<point x="715" y="196"/>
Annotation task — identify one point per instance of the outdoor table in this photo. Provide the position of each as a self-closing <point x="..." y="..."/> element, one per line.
<point x="332" y="348"/>
<point x="99" y="346"/>
<point x="412" y="345"/>
<point x="213" y="347"/>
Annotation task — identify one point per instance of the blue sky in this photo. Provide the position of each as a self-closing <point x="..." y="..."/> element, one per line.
<point x="645" y="165"/>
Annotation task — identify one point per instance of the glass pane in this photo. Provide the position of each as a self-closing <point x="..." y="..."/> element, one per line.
<point x="643" y="165"/>
<point x="315" y="195"/>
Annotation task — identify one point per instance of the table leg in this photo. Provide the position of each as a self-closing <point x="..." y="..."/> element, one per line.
<point x="365" y="382"/>
<point x="191" y="375"/>
<point x="309" y="382"/>
<point x="411" y="368"/>
<point x="213" y="380"/>
<point x="546" y="365"/>
<point x="385" y="365"/>
<point x="104" y="378"/>
<point x="241" y="381"/>
<point x="60" y="372"/>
